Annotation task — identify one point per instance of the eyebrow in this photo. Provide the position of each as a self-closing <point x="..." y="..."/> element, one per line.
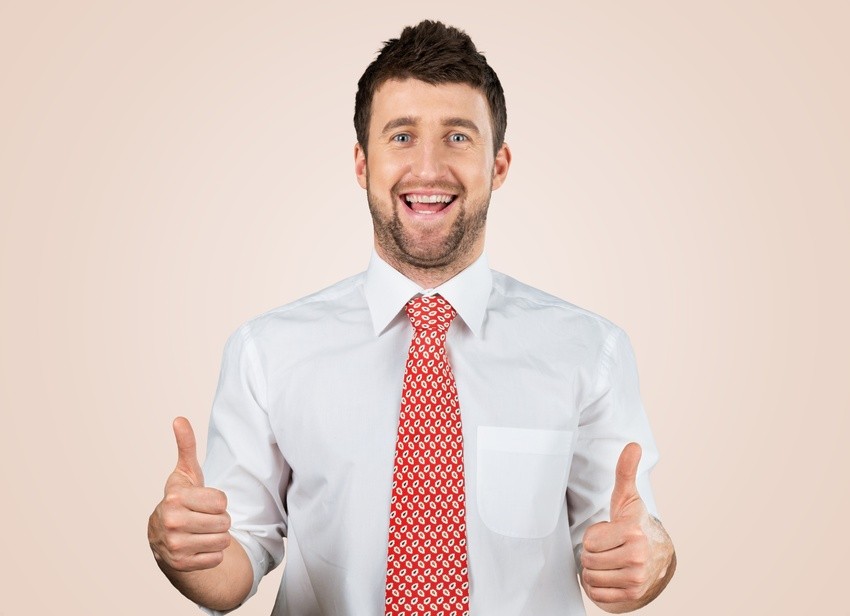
<point x="462" y="123"/>
<point x="397" y="123"/>
<point x="412" y="121"/>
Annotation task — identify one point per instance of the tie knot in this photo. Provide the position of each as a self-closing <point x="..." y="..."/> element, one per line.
<point x="430" y="312"/>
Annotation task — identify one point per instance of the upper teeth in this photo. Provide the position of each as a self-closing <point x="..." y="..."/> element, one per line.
<point x="428" y="198"/>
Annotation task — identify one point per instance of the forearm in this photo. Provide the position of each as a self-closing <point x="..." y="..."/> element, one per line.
<point x="222" y="587"/>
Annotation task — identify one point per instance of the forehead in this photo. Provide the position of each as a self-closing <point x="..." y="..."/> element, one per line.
<point x="428" y="102"/>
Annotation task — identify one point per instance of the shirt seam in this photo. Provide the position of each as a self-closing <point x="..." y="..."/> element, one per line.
<point x="256" y="365"/>
<point x="606" y="360"/>
<point x="328" y="294"/>
<point x="549" y="301"/>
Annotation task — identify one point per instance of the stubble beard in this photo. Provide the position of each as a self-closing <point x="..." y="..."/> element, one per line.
<point x="449" y="254"/>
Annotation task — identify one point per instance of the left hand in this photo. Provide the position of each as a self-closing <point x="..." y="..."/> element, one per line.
<point x="625" y="561"/>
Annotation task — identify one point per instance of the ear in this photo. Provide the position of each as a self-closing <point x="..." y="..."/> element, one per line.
<point x="501" y="165"/>
<point x="360" y="165"/>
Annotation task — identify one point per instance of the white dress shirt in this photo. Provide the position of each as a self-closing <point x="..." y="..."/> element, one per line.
<point x="303" y="429"/>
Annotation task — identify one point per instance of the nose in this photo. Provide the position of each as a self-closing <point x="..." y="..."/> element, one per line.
<point x="428" y="163"/>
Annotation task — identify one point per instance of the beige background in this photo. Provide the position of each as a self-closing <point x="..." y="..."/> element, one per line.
<point x="170" y="169"/>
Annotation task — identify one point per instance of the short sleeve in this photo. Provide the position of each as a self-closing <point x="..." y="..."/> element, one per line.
<point x="611" y="416"/>
<point x="243" y="459"/>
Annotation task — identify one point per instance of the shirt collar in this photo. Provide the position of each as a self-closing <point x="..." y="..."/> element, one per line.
<point x="388" y="290"/>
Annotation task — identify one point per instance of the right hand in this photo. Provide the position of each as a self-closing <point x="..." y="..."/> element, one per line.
<point x="188" y="530"/>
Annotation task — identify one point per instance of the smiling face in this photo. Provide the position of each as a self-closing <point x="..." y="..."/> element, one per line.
<point x="429" y="175"/>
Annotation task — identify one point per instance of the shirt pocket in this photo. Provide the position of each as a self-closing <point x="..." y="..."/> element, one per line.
<point x="522" y="479"/>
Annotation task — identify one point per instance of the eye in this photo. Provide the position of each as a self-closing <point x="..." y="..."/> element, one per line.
<point x="401" y="138"/>
<point x="458" y="138"/>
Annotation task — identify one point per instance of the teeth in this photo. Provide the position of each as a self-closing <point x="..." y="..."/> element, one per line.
<point x="428" y="198"/>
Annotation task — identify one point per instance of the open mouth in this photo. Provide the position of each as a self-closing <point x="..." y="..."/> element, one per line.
<point x="427" y="204"/>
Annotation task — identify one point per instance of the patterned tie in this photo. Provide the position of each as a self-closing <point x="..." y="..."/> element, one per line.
<point x="426" y="561"/>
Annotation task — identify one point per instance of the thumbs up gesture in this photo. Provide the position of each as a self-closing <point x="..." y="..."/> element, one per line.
<point x="628" y="561"/>
<point x="188" y="530"/>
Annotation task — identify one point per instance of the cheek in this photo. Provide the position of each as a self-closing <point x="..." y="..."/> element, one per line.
<point x="383" y="174"/>
<point x="478" y="180"/>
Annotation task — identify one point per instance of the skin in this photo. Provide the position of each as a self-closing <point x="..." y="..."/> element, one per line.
<point x="188" y="534"/>
<point x="430" y="140"/>
<point x="627" y="562"/>
<point x="424" y="140"/>
<point x="437" y="139"/>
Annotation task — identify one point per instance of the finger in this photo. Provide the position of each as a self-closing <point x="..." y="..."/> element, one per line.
<point x="173" y="517"/>
<point x="197" y="562"/>
<point x="187" y="456"/>
<point x="206" y="560"/>
<point x="602" y="595"/>
<point x="204" y="523"/>
<point x="204" y="500"/>
<point x="631" y="577"/>
<point x="631" y="554"/>
<point x="184" y="545"/>
<point x="605" y="536"/>
<point x="625" y="488"/>
<point x="187" y="552"/>
<point x="179" y="497"/>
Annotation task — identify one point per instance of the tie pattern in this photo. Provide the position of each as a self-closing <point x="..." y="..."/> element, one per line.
<point x="426" y="561"/>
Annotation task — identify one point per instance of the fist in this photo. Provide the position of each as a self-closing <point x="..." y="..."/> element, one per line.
<point x="188" y="530"/>
<point x="625" y="558"/>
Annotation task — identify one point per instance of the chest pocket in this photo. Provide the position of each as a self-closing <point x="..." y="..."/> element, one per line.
<point x="522" y="479"/>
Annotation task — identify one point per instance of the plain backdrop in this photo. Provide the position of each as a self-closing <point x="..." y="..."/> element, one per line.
<point x="171" y="169"/>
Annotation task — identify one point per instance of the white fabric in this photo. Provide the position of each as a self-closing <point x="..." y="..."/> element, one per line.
<point x="302" y="438"/>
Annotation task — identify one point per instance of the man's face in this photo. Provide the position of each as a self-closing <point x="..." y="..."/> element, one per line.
<point x="430" y="172"/>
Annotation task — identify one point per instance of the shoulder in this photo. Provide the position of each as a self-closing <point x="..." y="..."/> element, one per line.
<point x="314" y="310"/>
<point x="525" y="301"/>
<point x="553" y="329"/>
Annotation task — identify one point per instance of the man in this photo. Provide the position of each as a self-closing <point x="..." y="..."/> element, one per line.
<point x="507" y="478"/>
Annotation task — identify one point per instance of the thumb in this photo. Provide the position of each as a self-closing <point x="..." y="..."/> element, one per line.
<point x="187" y="456"/>
<point x="625" y="490"/>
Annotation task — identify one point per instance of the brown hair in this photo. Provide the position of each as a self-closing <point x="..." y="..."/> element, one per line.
<point x="434" y="53"/>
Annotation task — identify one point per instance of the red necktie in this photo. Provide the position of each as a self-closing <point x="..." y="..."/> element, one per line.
<point x="426" y="561"/>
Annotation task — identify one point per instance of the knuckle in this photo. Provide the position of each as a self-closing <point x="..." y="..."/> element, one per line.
<point x="172" y="500"/>
<point x="221" y="542"/>
<point x="171" y="523"/>
<point x="590" y="579"/>
<point x="173" y="544"/>
<point x="638" y="579"/>
<point x="590" y="541"/>
<point x="218" y="500"/>
<point x="632" y="593"/>
<point x="629" y="557"/>
<point x="181" y="564"/>
<point x="638" y="556"/>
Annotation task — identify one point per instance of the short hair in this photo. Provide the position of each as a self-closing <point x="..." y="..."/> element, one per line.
<point x="434" y="53"/>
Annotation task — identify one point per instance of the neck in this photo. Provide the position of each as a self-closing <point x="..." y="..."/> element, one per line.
<point x="429" y="277"/>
